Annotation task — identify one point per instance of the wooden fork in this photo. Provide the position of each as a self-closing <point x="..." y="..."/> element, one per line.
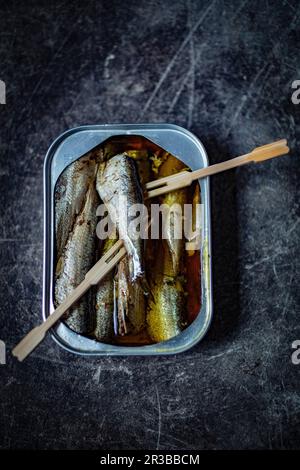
<point x="117" y="251"/>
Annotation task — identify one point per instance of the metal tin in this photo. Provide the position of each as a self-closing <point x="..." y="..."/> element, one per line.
<point x="70" y="146"/>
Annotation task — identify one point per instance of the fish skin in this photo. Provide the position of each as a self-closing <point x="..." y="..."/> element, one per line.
<point x="123" y="297"/>
<point x="144" y="169"/>
<point x="105" y="302"/>
<point x="172" y="219"/>
<point x="171" y="166"/>
<point x="70" y="193"/>
<point x="131" y="301"/>
<point x="165" y="308"/>
<point x="76" y="260"/>
<point x="118" y="177"/>
<point x="167" y="303"/>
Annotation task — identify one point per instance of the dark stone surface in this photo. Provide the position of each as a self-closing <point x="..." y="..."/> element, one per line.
<point x="223" y="70"/>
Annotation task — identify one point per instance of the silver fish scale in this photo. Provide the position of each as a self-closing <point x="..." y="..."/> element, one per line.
<point x="69" y="197"/>
<point x="104" y="302"/>
<point x="77" y="258"/>
<point x="118" y="177"/>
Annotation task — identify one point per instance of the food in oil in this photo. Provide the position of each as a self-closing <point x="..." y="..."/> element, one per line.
<point x="154" y="292"/>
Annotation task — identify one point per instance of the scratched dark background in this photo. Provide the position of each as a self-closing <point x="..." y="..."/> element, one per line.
<point x="224" y="70"/>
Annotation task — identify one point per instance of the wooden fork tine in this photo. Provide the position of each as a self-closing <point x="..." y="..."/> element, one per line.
<point x="271" y="152"/>
<point x="172" y="186"/>
<point x="165" y="179"/>
<point x="280" y="142"/>
<point x="114" y="249"/>
<point x="110" y="263"/>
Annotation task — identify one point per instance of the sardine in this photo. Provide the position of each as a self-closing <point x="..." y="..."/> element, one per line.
<point x="76" y="260"/>
<point x="70" y="193"/>
<point x="105" y="302"/>
<point x="117" y="178"/>
<point x="173" y="215"/>
<point x="143" y="165"/>
<point x="131" y="301"/>
<point x="173" y="225"/>
<point x="166" y="304"/>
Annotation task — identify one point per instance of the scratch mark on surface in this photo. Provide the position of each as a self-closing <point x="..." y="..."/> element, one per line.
<point x="96" y="376"/>
<point x="174" y="440"/>
<point x="174" y="58"/>
<point x="51" y="359"/>
<point x="291" y="6"/>
<point x="293" y="227"/>
<point x="260" y="72"/>
<point x="263" y="260"/>
<point x="287" y="298"/>
<point x="275" y="271"/>
<point x="246" y="97"/>
<point x="238" y="11"/>
<point x="137" y="65"/>
<point x="55" y="55"/>
<point x="159" y="418"/>
<point x="185" y="80"/>
<point x="229" y="351"/>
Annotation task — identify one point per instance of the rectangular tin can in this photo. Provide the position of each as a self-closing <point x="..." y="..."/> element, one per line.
<point x="71" y="145"/>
